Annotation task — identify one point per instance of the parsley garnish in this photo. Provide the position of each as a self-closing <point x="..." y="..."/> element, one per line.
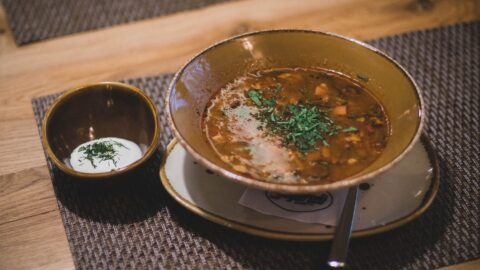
<point x="103" y="150"/>
<point x="363" y="77"/>
<point x="277" y="88"/>
<point x="303" y="125"/>
<point x="350" y="129"/>
<point x="270" y="102"/>
<point x="255" y="96"/>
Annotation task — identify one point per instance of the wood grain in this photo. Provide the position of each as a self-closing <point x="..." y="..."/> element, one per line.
<point x="38" y="242"/>
<point x="31" y="231"/>
<point x="20" y="191"/>
<point x="163" y="44"/>
<point x="471" y="265"/>
<point x="6" y="42"/>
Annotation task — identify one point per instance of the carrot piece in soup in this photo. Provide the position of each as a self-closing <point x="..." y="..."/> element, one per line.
<point x="339" y="110"/>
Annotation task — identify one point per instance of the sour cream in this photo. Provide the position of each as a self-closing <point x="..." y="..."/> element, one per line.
<point x="121" y="153"/>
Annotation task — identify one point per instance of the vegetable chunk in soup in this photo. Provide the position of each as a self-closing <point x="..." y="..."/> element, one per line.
<point x="296" y="126"/>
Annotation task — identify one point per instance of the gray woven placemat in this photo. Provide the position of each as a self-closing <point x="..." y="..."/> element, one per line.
<point x="137" y="225"/>
<point x="35" y="20"/>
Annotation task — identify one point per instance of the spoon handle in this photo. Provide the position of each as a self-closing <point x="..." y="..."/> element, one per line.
<point x="339" y="249"/>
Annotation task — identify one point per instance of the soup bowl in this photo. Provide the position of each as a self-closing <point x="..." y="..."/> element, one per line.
<point x="99" y="110"/>
<point x="206" y="73"/>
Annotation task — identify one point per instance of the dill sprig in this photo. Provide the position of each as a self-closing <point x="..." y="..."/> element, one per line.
<point x="302" y="125"/>
<point x="102" y="150"/>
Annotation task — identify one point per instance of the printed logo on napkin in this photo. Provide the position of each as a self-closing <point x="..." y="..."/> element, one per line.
<point x="323" y="208"/>
<point x="301" y="203"/>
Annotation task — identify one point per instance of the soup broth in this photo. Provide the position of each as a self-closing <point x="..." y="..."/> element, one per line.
<point x="296" y="125"/>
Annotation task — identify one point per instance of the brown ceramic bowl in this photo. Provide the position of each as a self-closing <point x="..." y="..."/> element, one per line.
<point x="106" y="109"/>
<point x="196" y="82"/>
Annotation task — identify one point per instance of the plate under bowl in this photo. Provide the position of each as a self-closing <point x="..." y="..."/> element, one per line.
<point x="396" y="198"/>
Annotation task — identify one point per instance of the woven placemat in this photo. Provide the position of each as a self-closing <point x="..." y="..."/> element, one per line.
<point x="35" y="20"/>
<point x="137" y="225"/>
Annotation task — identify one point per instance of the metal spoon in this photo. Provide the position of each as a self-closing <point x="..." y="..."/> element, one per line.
<point x="339" y="249"/>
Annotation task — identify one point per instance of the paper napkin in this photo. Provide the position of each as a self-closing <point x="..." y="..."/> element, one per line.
<point x="323" y="208"/>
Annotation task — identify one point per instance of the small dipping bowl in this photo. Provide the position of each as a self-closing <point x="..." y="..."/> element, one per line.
<point x="201" y="77"/>
<point x="99" y="110"/>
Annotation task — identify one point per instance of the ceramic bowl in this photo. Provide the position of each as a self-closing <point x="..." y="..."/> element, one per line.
<point x="201" y="77"/>
<point x="106" y="109"/>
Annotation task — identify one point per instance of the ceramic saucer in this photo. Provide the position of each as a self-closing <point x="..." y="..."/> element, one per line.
<point x="387" y="202"/>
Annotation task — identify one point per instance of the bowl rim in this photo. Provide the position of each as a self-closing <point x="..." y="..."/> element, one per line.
<point x="295" y="188"/>
<point x="87" y="87"/>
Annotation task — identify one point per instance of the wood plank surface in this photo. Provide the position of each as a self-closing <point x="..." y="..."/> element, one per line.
<point x="31" y="231"/>
<point x="163" y="44"/>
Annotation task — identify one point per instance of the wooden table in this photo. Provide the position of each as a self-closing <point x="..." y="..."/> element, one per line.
<point x="31" y="230"/>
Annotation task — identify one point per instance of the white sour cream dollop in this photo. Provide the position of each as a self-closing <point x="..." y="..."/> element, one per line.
<point x="125" y="152"/>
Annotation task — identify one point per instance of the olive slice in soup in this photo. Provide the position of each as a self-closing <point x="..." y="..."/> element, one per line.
<point x="296" y="126"/>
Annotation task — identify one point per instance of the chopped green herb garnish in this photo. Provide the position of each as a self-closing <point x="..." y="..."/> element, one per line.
<point x="255" y="96"/>
<point x="350" y="129"/>
<point x="304" y="126"/>
<point x="301" y="125"/>
<point x="363" y="77"/>
<point x="270" y="102"/>
<point x="103" y="150"/>
<point x="278" y="88"/>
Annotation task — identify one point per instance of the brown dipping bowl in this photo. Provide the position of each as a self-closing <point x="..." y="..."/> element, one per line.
<point x="93" y="111"/>
<point x="209" y="71"/>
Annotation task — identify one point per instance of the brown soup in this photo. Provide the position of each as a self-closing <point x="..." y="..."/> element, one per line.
<point x="296" y="125"/>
